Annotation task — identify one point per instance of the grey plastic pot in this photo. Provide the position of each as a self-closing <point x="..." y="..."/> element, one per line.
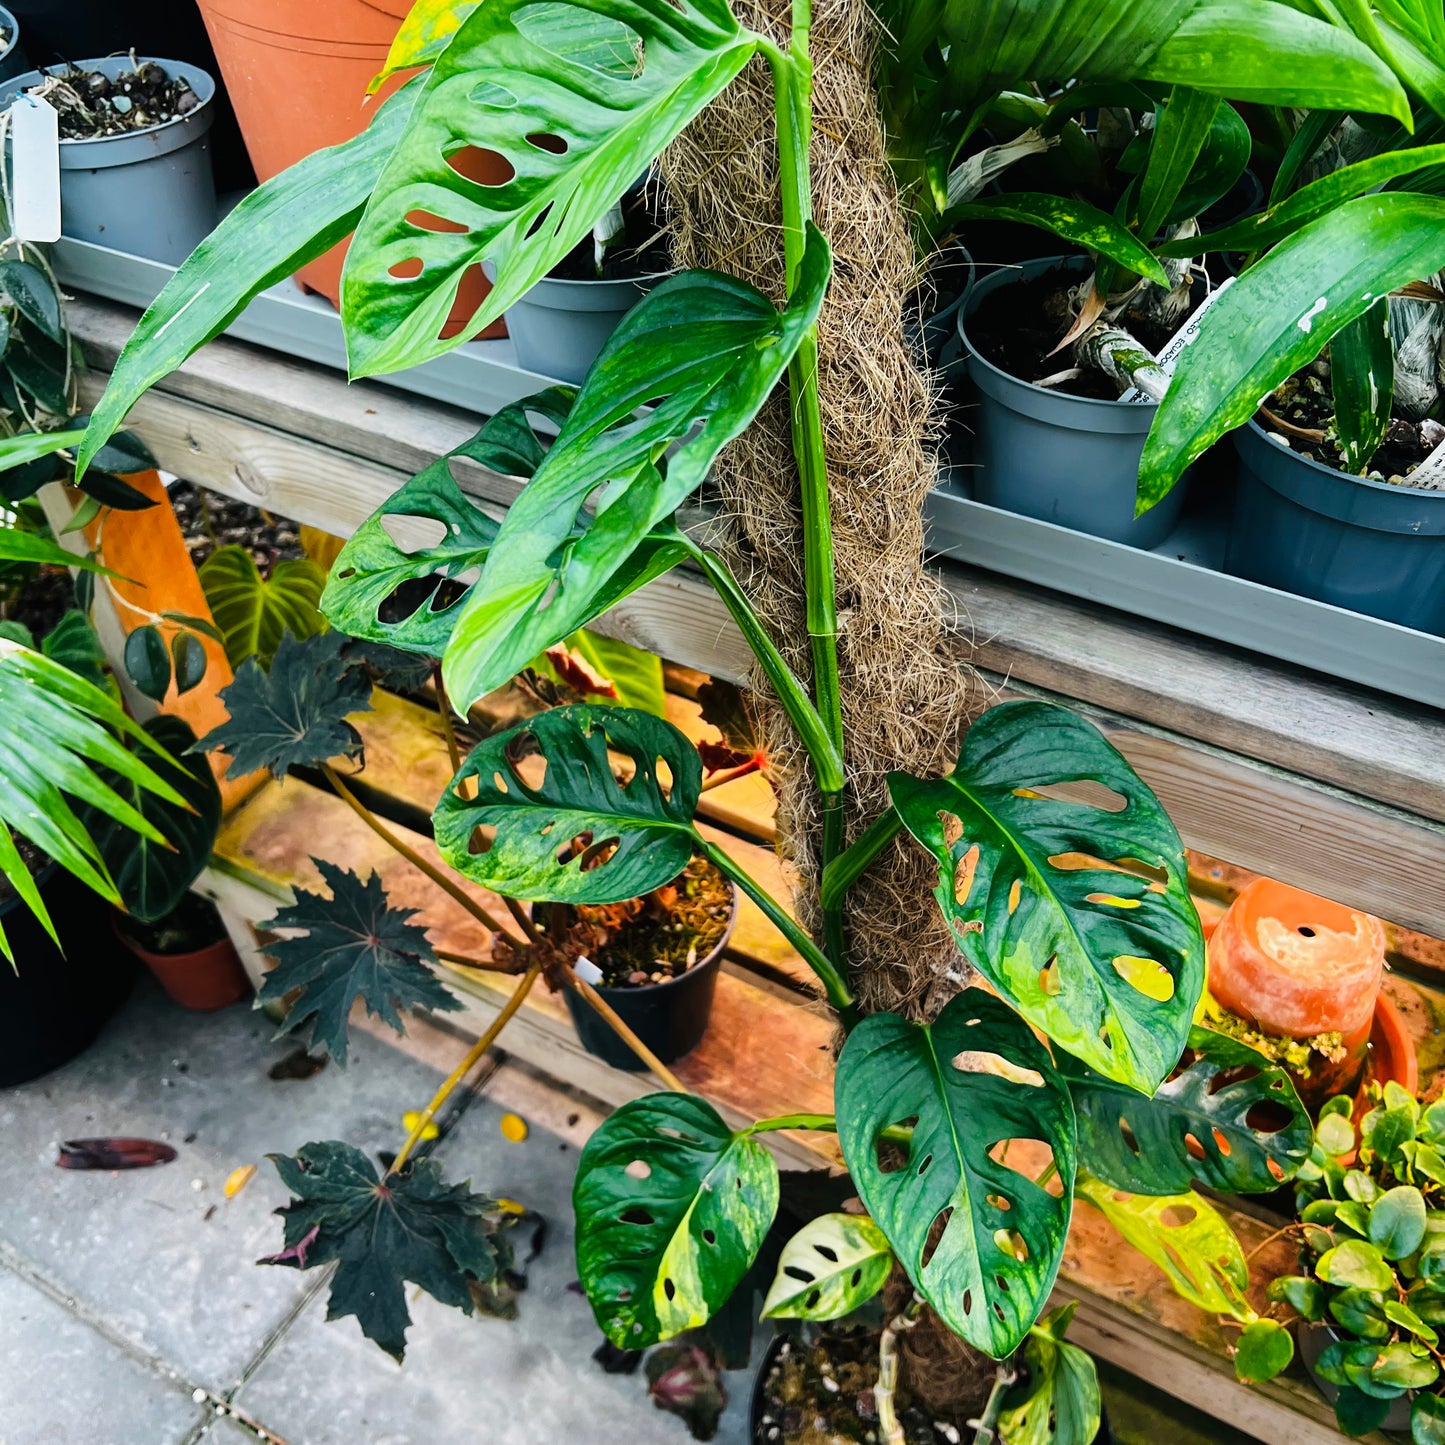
<point x="951" y="275"/>
<point x="149" y="193"/>
<point x="13" y="60"/>
<point x="1070" y="460"/>
<point x="1306" y="528"/>
<point x="1313" y="1341"/>
<point x="558" y="327"/>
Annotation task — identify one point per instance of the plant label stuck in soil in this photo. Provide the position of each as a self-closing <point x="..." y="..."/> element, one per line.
<point x="35" y="146"/>
<point x="1430" y="474"/>
<point x="1184" y="337"/>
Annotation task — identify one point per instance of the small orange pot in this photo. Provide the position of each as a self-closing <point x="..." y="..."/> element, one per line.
<point x="296" y="72"/>
<point x="205" y="979"/>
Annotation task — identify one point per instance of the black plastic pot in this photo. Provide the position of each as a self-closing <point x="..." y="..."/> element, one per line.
<point x="52" y="1005"/>
<point x="758" y="1400"/>
<point x="1071" y="460"/>
<point x="1373" y="547"/>
<point x="1313" y="1339"/>
<point x="670" y="1018"/>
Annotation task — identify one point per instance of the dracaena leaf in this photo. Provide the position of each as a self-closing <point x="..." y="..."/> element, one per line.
<point x="575" y="97"/>
<point x="1228" y="1119"/>
<point x="546" y="782"/>
<point x="295" y="715"/>
<point x="978" y="1083"/>
<point x="1078" y="912"/>
<point x="672" y="1207"/>
<point x="348" y="946"/>
<point x="707" y="350"/>
<point x="409" y="1228"/>
<point x="255" y="612"/>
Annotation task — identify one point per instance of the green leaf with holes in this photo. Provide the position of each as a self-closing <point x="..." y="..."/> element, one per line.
<point x="976" y="1085"/>
<point x="549" y="781"/>
<point x="1080" y="916"/>
<point x="671" y="1209"/>
<point x="828" y="1268"/>
<point x="708" y="350"/>
<point x="255" y="612"/>
<point x="1186" y="1237"/>
<point x="576" y="99"/>
<point x="1228" y="1119"/>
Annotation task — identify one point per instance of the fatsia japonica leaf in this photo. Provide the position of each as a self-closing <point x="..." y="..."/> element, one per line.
<point x="672" y="1207"/>
<point x="294" y="715"/>
<point x="523" y="795"/>
<point x="348" y="946"/>
<point x="975" y="1083"/>
<point x="1077" y="911"/>
<point x="409" y="1228"/>
<point x="1228" y="1119"/>
<point x="833" y="1264"/>
<point x="152" y="878"/>
<point x="254" y="612"/>
<point x="574" y="123"/>
<point x="706" y="350"/>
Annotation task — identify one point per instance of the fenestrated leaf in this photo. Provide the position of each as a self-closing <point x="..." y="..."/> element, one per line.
<point x="1229" y="1119"/>
<point x="1362" y="381"/>
<point x="407" y="597"/>
<point x="708" y="350"/>
<point x="971" y="1081"/>
<point x="72" y="729"/>
<point x="153" y="879"/>
<point x="1072" y="220"/>
<point x="1279" y="315"/>
<point x="1078" y="914"/>
<point x="671" y="1208"/>
<point x="575" y="131"/>
<point x="1062" y="1401"/>
<point x="280" y="226"/>
<point x="349" y="946"/>
<point x="33" y="295"/>
<point x="1186" y="1237"/>
<point x="536" y="818"/>
<point x="424" y="35"/>
<point x="828" y="1268"/>
<point x="293" y="716"/>
<point x="409" y="1228"/>
<point x="255" y="612"/>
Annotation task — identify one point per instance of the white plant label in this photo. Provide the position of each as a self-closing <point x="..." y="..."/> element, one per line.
<point x="35" y="167"/>
<point x="587" y="971"/>
<point x="1431" y="472"/>
<point x="1184" y="337"/>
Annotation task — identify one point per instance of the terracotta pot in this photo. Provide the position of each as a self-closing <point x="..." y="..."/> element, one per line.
<point x="297" y="72"/>
<point x="204" y="979"/>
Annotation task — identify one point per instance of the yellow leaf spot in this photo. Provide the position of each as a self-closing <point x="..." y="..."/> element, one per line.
<point x="1113" y="900"/>
<point x="411" y="1119"/>
<point x="510" y="1206"/>
<point x="1015" y="892"/>
<point x="963" y="873"/>
<point x="1028" y="793"/>
<point x="514" y="1128"/>
<point x="238" y="1179"/>
<point x="1152" y="979"/>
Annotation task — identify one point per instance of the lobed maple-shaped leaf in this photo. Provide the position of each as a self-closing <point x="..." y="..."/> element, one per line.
<point x="294" y="715"/>
<point x="384" y="1232"/>
<point x="351" y="945"/>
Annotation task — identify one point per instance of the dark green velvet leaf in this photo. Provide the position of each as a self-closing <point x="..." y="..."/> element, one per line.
<point x="295" y="715"/>
<point x="351" y="945"/>
<point x="73" y="641"/>
<point x="410" y="1228"/>
<point x="111" y="491"/>
<point x="33" y="295"/>
<point x="972" y="1080"/>
<point x="526" y="822"/>
<point x="147" y="662"/>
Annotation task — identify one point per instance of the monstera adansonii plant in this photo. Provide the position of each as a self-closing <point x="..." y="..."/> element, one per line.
<point x="1058" y="871"/>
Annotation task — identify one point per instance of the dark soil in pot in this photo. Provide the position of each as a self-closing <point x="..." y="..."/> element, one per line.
<point x="190" y="954"/>
<point x="90" y="103"/>
<point x="641" y="251"/>
<point x="209" y="520"/>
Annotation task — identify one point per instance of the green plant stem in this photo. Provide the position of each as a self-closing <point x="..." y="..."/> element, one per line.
<point x="826" y="1124"/>
<point x="987" y="1431"/>
<point x="834" y="985"/>
<point x="845" y="870"/>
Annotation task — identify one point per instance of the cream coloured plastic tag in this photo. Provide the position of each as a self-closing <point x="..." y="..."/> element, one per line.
<point x="35" y="169"/>
<point x="1174" y="347"/>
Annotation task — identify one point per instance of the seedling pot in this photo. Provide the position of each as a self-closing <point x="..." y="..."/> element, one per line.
<point x="670" y="1018"/>
<point x="559" y="327"/>
<point x="1070" y="460"/>
<point x="203" y="979"/>
<point x="148" y="192"/>
<point x="1370" y="546"/>
<point x="53" y="1004"/>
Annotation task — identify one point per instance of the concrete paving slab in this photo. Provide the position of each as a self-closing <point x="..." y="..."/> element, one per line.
<point x="161" y="1253"/>
<point x="63" y="1383"/>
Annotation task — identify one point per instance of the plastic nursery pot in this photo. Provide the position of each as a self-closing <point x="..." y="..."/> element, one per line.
<point x="558" y="327"/>
<point x="13" y="59"/>
<point x="1295" y="966"/>
<point x="1313" y="1341"/>
<point x="949" y="279"/>
<point x="296" y="72"/>
<point x="148" y="192"/>
<point x="670" y="1018"/>
<point x="204" y="979"/>
<point x="1072" y="460"/>
<point x="53" y="1004"/>
<point x="1373" y="547"/>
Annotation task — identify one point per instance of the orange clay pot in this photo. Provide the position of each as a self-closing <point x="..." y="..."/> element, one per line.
<point x="296" y="72"/>
<point x="1294" y="965"/>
